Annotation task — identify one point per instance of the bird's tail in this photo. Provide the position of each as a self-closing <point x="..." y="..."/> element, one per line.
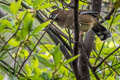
<point x="101" y="31"/>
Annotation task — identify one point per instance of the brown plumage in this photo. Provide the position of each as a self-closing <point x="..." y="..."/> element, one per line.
<point x="87" y="20"/>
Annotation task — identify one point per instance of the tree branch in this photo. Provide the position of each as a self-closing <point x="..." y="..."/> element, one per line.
<point x="76" y="41"/>
<point x="108" y="16"/>
<point x="107" y="57"/>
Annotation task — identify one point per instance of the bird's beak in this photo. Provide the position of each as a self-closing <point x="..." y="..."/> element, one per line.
<point x="50" y="17"/>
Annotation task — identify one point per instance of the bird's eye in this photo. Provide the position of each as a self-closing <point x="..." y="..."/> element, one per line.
<point x="56" y="19"/>
<point x="52" y="16"/>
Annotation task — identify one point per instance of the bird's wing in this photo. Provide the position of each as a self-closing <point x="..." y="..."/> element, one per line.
<point x="92" y="13"/>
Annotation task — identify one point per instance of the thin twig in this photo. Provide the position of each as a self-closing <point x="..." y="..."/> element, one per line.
<point x="3" y="2"/>
<point x="107" y="57"/>
<point x="70" y="42"/>
<point x="84" y="53"/>
<point x="107" y="65"/>
<point x="17" y="64"/>
<point x="14" y="33"/>
<point x="32" y="50"/>
<point x="8" y="68"/>
<point x="108" y="16"/>
<point x="76" y="41"/>
<point x="18" y="50"/>
<point x="99" y="53"/>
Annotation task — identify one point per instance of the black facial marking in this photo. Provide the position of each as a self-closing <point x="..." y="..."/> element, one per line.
<point x="56" y="19"/>
<point x="52" y="16"/>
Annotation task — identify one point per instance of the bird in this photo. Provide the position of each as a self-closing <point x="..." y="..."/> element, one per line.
<point x="87" y="20"/>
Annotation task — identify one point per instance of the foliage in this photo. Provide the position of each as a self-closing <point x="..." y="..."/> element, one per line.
<point x="27" y="52"/>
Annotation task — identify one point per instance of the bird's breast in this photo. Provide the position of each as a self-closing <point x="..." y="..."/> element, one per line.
<point x="84" y="27"/>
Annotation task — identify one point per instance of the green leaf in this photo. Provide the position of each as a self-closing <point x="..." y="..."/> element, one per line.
<point x="92" y="60"/>
<point x="36" y="3"/>
<point x="34" y="63"/>
<point x="117" y="4"/>
<point x="13" y="42"/>
<point x="71" y="59"/>
<point x="99" y="43"/>
<point x="37" y="70"/>
<point x="12" y="77"/>
<point x="4" y="23"/>
<point x="110" y="78"/>
<point x="1" y="77"/>
<point x="116" y="20"/>
<point x="14" y="7"/>
<point x="28" y="22"/>
<point x="45" y="76"/>
<point x="21" y="15"/>
<point x="49" y="47"/>
<point x="24" y="53"/>
<point x="57" y="55"/>
<point x="40" y="27"/>
<point x="3" y="55"/>
<point x="6" y="8"/>
<point x="29" y="2"/>
<point x="44" y="61"/>
<point x="28" y="70"/>
<point x="2" y="58"/>
<point x="81" y="3"/>
<point x="45" y="55"/>
<point x="111" y="45"/>
<point x="46" y="5"/>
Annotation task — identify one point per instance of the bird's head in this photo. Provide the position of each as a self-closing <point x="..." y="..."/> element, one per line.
<point x="54" y="14"/>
